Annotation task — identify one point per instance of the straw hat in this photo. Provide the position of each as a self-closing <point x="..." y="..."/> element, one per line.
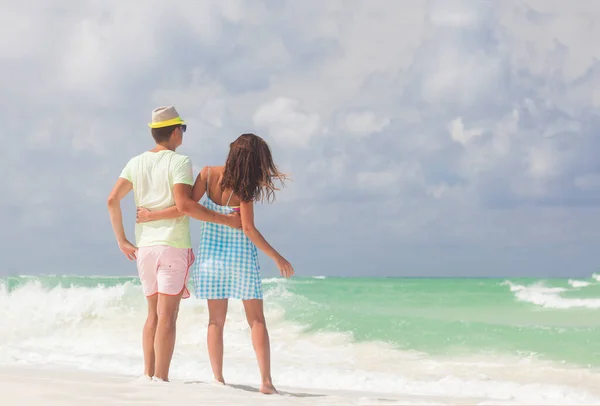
<point x="165" y="116"/>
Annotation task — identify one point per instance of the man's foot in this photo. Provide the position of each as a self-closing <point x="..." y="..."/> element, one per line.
<point x="267" y="388"/>
<point x="155" y="379"/>
<point x="219" y="381"/>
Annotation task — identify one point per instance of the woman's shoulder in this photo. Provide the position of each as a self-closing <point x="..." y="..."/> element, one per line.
<point x="210" y="173"/>
<point x="211" y="169"/>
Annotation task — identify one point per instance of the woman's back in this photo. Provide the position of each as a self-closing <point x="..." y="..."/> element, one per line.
<point x="214" y="191"/>
<point x="227" y="264"/>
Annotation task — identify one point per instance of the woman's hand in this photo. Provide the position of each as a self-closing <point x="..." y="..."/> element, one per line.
<point x="285" y="268"/>
<point x="234" y="220"/>
<point x="142" y="215"/>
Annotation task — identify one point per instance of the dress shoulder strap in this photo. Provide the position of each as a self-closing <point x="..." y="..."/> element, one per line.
<point x="228" y="200"/>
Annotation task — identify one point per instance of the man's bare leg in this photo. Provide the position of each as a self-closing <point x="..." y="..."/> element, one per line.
<point x="164" y="341"/>
<point x="148" y="336"/>
<point x="217" y="312"/>
<point x="260" y="342"/>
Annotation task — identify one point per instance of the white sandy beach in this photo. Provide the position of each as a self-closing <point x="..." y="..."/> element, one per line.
<point x="30" y="386"/>
<point x="41" y="386"/>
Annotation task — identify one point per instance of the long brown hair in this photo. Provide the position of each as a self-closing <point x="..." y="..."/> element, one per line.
<point x="249" y="169"/>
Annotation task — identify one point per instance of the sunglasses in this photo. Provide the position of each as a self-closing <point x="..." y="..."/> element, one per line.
<point x="183" y="128"/>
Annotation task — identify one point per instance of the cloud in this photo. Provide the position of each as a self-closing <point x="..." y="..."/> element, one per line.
<point x="364" y="123"/>
<point x="460" y="134"/>
<point x="286" y="122"/>
<point x="588" y="182"/>
<point x="406" y="128"/>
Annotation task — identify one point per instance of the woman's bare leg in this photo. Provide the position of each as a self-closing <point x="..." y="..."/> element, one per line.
<point x="217" y="313"/>
<point x="260" y="342"/>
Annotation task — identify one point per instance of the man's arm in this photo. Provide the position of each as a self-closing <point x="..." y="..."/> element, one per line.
<point x="120" y="190"/>
<point x="186" y="205"/>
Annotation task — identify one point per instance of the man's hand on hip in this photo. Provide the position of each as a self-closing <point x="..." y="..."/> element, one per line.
<point x="128" y="249"/>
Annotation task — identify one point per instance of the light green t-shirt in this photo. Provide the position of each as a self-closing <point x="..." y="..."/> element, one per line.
<point x="153" y="175"/>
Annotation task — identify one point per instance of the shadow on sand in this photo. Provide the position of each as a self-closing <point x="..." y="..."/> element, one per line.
<point x="249" y="388"/>
<point x="281" y="392"/>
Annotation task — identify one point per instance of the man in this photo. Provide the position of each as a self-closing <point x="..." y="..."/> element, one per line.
<point x="161" y="178"/>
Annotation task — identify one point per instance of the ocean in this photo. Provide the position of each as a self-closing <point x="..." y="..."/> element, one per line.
<point x="524" y="340"/>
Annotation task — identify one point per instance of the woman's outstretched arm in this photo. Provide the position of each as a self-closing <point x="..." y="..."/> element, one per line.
<point x="247" y="214"/>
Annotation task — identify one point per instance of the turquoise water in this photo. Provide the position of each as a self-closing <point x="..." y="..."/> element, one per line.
<point x="457" y="316"/>
<point x="552" y="319"/>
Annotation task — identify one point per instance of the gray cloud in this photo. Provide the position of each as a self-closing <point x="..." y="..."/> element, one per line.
<point x="436" y="138"/>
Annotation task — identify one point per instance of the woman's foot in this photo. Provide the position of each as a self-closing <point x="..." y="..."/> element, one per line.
<point x="220" y="380"/>
<point x="267" y="388"/>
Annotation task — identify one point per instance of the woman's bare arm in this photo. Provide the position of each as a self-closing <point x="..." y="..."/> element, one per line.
<point x="144" y="215"/>
<point x="200" y="185"/>
<point x="247" y="214"/>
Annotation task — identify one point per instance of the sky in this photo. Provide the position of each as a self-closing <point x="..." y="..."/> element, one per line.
<point x="423" y="138"/>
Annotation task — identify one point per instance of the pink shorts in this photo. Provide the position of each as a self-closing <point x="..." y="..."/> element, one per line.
<point x="164" y="269"/>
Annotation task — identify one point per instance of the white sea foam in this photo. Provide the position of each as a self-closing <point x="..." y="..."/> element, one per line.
<point x="99" y="329"/>
<point x="596" y="277"/>
<point x="578" y="284"/>
<point x="549" y="297"/>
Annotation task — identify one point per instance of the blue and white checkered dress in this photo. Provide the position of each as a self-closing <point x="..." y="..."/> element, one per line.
<point x="227" y="265"/>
